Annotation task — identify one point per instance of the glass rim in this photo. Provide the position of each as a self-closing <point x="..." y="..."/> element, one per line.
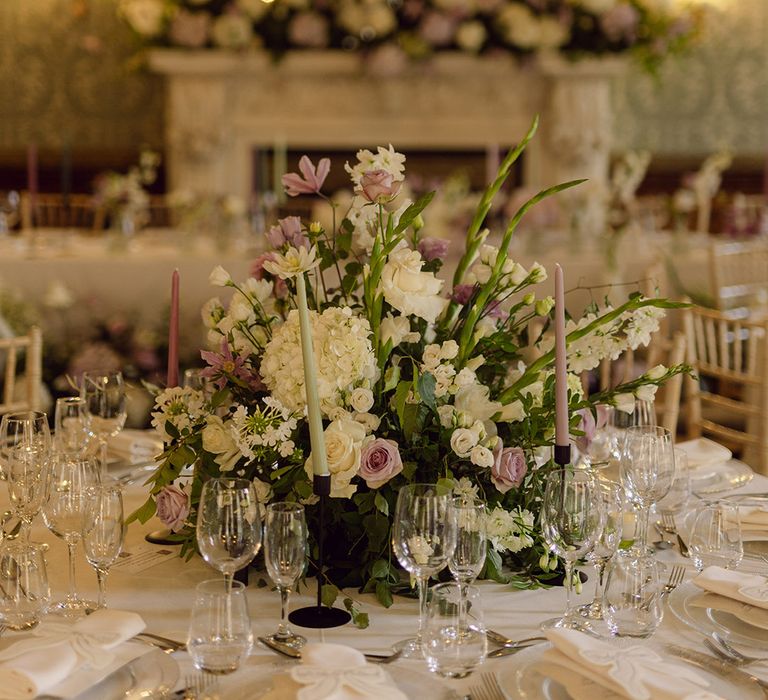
<point x="468" y="502"/>
<point x="446" y="585"/>
<point x="218" y="586"/>
<point x="648" y="429"/>
<point x="70" y="399"/>
<point x="24" y="415"/>
<point x="285" y="507"/>
<point x="221" y="481"/>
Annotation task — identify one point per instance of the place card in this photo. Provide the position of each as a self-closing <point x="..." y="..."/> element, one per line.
<point x="141" y="557"/>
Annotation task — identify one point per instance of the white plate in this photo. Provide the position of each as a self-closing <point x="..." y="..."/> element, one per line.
<point x="520" y="681"/>
<point x="708" y="620"/>
<point x="720" y="476"/>
<point x="703" y="451"/>
<point x="152" y="675"/>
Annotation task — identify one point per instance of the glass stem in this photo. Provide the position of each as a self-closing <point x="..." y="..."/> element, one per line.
<point x="103" y="456"/>
<point x="597" y="603"/>
<point x="282" y="628"/>
<point x="568" y="584"/>
<point x="72" y="589"/>
<point x="228" y="579"/>
<point x="463" y="591"/>
<point x="642" y="534"/>
<point x="423" y="585"/>
<point x="101" y="577"/>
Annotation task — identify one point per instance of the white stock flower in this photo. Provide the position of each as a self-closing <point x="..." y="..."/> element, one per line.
<point x="361" y="399"/>
<point x="646" y="392"/>
<point x="464" y="487"/>
<point x="397" y="329"/>
<point x="343" y="444"/>
<point x="656" y="372"/>
<point x="509" y="530"/>
<point x="624" y="402"/>
<point x="446" y="416"/>
<point x="219" y="277"/>
<point x="181" y="407"/>
<point x="462" y="441"/>
<point x="474" y="400"/>
<point x="481" y="456"/>
<point x="409" y="290"/>
<point x="292" y="263"/>
<point x="387" y="159"/>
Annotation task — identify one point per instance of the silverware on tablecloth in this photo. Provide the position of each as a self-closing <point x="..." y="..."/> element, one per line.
<point x="501" y="640"/>
<point x="720" y="663"/>
<point x="683" y="547"/>
<point x="676" y="577"/>
<point x="730" y="650"/>
<point x="292" y="653"/>
<point x="509" y="650"/>
<point x="488" y="689"/>
<point x="163" y="643"/>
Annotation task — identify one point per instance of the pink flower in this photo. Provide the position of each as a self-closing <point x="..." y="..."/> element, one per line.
<point x="287" y="230"/>
<point x="190" y="29"/>
<point x="462" y="293"/>
<point x="225" y="367"/>
<point x="433" y="248"/>
<point x="379" y="462"/>
<point x="313" y="178"/>
<point x="437" y="29"/>
<point x="309" y="29"/>
<point x="378" y="186"/>
<point x="509" y="467"/>
<point x="589" y="426"/>
<point x="257" y="266"/>
<point x="172" y="507"/>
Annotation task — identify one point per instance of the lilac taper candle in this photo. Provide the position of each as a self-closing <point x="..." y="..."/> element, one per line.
<point x="173" y="334"/>
<point x="562" y="437"/>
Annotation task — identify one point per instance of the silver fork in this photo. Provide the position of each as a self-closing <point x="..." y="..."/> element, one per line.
<point x="676" y="577"/>
<point x="728" y="659"/>
<point x="491" y="685"/>
<point x="738" y="656"/>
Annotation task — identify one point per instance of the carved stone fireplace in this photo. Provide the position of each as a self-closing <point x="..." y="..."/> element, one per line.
<point x="221" y="105"/>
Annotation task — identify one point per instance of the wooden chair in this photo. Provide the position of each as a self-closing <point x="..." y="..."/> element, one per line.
<point x="739" y="275"/>
<point x="729" y="401"/>
<point x="54" y="211"/>
<point x="31" y="346"/>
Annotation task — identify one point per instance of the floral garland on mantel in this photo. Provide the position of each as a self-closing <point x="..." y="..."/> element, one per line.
<point x="393" y="31"/>
<point x="416" y="382"/>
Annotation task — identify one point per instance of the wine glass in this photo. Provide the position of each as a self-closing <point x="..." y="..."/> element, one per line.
<point x="25" y="447"/>
<point x="468" y="558"/>
<point x="571" y="521"/>
<point x="611" y="497"/>
<point x="228" y="525"/>
<point x="71" y="421"/>
<point x="104" y="532"/>
<point x="104" y="396"/>
<point x="285" y="552"/>
<point x="24" y="589"/>
<point x="647" y="471"/>
<point x="676" y="500"/>
<point x="71" y="478"/>
<point x="423" y="539"/>
<point x="715" y="538"/>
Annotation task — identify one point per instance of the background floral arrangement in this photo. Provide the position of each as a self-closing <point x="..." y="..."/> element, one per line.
<point x="416" y="382"/>
<point x="415" y="29"/>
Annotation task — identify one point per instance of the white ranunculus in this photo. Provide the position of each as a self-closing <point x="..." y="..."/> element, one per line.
<point x="656" y="372"/>
<point x="144" y="16"/>
<point x="474" y="400"/>
<point x="512" y="412"/>
<point x="446" y="416"/>
<point x="409" y="290"/>
<point x="646" y="392"/>
<point x="462" y="441"/>
<point x="343" y="443"/>
<point x="481" y="456"/>
<point x="361" y="400"/>
<point x="624" y="402"/>
<point x="219" y="277"/>
<point x="397" y="329"/>
<point x="218" y="440"/>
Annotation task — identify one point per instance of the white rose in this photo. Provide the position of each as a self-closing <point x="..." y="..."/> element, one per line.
<point x="481" y="456"/>
<point x="624" y="402"/>
<point x="361" y="400"/>
<point x="219" y="441"/>
<point x="449" y="350"/>
<point x="396" y="328"/>
<point x="409" y="290"/>
<point x="473" y="399"/>
<point x="219" y="277"/>
<point x="431" y="356"/>
<point x="464" y="378"/>
<point x="512" y="412"/>
<point x="462" y="441"/>
<point x="646" y="392"/>
<point x="446" y="416"/>
<point x="343" y="443"/>
<point x="369" y="421"/>
<point x="656" y="372"/>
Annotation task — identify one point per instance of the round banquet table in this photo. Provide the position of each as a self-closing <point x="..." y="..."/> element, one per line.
<point x="163" y="595"/>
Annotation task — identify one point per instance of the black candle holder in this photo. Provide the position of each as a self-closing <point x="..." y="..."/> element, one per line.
<point x="562" y="455"/>
<point x="320" y="616"/>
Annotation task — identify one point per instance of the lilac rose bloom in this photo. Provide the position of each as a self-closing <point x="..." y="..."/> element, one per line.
<point x="378" y="186"/>
<point x="462" y="293"/>
<point x="433" y="248"/>
<point x="509" y="467"/>
<point x="379" y="462"/>
<point x="172" y="507"/>
<point x="287" y="231"/>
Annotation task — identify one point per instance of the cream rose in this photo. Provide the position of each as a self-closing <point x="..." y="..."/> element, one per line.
<point x="462" y="441"/>
<point x="481" y="456"/>
<point x="361" y="400"/>
<point x="218" y="440"/>
<point x="473" y="399"/>
<point x="409" y="290"/>
<point x="343" y="443"/>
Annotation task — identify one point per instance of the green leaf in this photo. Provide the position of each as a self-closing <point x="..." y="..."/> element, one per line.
<point x="381" y="504"/>
<point x="359" y="619"/>
<point x="380" y="569"/>
<point x="444" y="486"/>
<point x="493" y="566"/>
<point x="392" y="375"/>
<point x="401" y="396"/>
<point x="407" y="217"/>
<point x="143" y="513"/>
<point x="384" y="594"/>
<point x="426" y="387"/>
<point x="328" y="594"/>
<point x="170" y="428"/>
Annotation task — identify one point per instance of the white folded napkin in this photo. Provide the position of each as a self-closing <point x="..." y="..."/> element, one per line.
<point x="752" y="615"/>
<point x="55" y="649"/>
<point x="592" y="668"/>
<point x="745" y="588"/>
<point x="136" y="445"/>
<point x="754" y="517"/>
<point x="334" y="672"/>
<point x="701" y="452"/>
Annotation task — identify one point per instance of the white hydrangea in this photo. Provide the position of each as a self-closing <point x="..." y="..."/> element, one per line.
<point x="179" y="406"/>
<point x="387" y="159"/>
<point x="343" y="353"/>
<point x="510" y="530"/>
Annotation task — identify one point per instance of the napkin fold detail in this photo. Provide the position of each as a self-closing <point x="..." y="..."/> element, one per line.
<point x="320" y="682"/>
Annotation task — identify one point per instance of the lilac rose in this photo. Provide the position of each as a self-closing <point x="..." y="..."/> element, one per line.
<point x="172" y="507"/>
<point x="433" y="248"/>
<point x="589" y="425"/>
<point x="379" y="462"/>
<point x="509" y="467"/>
<point x="378" y="186"/>
<point x="288" y="230"/>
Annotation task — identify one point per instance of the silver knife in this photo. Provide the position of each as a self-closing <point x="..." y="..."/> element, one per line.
<point x="712" y="663"/>
<point x="508" y="651"/>
<point x="283" y="649"/>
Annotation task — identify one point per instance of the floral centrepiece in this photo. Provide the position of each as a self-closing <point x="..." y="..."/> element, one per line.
<point x="415" y="29"/>
<point x="418" y="380"/>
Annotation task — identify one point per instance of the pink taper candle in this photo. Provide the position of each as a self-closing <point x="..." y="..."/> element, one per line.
<point x="561" y="380"/>
<point x="173" y="334"/>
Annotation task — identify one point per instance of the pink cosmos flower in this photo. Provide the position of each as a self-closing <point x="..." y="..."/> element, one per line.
<point x="224" y="367"/>
<point x="433" y="248"/>
<point x="287" y="230"/>
<point x="378" y="186"/>
<point x="312" y="180"/>
<point x="172" y="507"/>
<point x="379" y="462"/>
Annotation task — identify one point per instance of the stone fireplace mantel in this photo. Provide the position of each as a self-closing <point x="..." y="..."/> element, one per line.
<point x="220" y="105"/>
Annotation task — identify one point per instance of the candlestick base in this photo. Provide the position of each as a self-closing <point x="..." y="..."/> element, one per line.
<point x="563" y="455"/>
<point x="161" y="537"/>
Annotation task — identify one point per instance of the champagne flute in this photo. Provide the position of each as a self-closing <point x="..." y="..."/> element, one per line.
<point x="423" y="539"/>
<point x="285" y="553"/>
<point x="104" y="396"/>
<point x="71" y="478"/>
<point x="647" y="471"/>
<point x="468" y="557"/>
<point x="228" y="525"/>
<point x="571" y="521"/>
<point x="71" y="431"/>
<point x="676" y="500"/>
<point x="104" y="532"/>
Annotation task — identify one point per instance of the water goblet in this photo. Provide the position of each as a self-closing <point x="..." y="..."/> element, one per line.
<point x="220" y="635"/>
<point x="228" y="525"/>
<point x="571" y="521"/>
<point x="647" y="472"/>
<point x="454" y="639"/>
<point x="285" y="553"/>
<point x="104" y="532"/>
<point x="468" y="557"/>
<point x="633" y="595"/>
<point x="24" y="590"/>
<point x="71" y="478"/>
<point x="104" y="396"/>
<point x="423" y="539"/>
<point x="71" y="426"/>
<point x="715" y="537"/>
<point x="676" y="500"/>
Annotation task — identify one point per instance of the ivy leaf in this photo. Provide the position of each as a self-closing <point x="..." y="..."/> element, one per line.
<point x="381" y="504"/>
<point x="493" y="566"/>
<point x="143" y="513"/>
<point x="359" y="619"/>
<point x="426" y="387"/>
<point x="392" y="375"/>
<point x="380" y="569"/>
<point x="170" y="428"/>
<point x="401" y="396"/>
<point x="384" y="594"/>
<point x="328" y="594"/>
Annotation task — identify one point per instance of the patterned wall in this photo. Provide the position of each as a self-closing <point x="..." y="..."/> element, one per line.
<point x="66" y="73"/>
